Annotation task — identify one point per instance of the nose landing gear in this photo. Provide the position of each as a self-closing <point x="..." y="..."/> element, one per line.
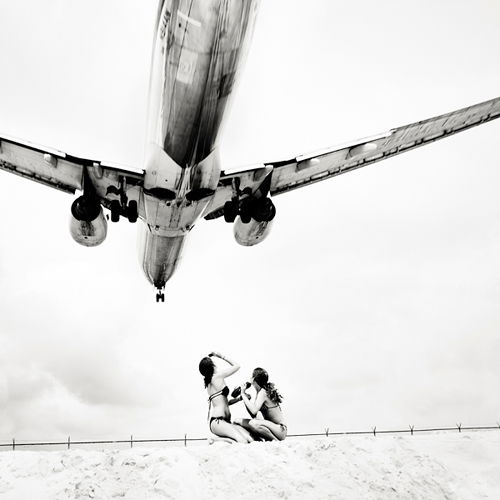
<point x="160" y="296"/>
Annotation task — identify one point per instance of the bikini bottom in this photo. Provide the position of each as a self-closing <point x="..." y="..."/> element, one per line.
<point x="218" y="419"/>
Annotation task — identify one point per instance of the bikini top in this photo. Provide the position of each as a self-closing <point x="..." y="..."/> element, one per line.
<point x="265" y="407"/>
<point x="223" y="392"/>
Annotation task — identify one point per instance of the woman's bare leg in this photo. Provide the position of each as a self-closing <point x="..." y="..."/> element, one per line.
<point x="276" y="429"/>
<point x="243" y="423"/>
<point x="218" y="439"/>
<point x="224" y="429"/>
<point x="262" y="430"/>
<point x="265" y="428"/>
<point x="244" y="432"/>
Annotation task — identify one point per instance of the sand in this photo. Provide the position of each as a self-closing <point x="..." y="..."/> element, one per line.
<point x="424" y="466"/>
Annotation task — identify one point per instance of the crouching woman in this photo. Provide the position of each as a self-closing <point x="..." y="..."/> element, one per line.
<point x="267" y="400"/>
<point x="218" y="409"/>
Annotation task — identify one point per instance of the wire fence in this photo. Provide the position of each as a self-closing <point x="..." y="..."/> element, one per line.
<point x="185" y="440"/>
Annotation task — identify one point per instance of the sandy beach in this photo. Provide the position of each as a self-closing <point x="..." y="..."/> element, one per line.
<point x="426" y="466"/>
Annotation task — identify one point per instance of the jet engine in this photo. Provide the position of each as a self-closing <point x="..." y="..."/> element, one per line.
<point x="251" y="233"/>
<point x="87" y="225"/>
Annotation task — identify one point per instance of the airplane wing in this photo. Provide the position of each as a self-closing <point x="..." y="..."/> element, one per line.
<point x="65" y="172"/>
<point x="304" y="170"/>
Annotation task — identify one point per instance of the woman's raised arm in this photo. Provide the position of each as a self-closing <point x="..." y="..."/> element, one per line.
<point x="253" y="407"/>
<point x="226" y="372"/>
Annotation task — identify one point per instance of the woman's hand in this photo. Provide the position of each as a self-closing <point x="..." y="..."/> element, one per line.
<point x="243" y="388"/>
<point x="216" y="354"/>
<point x="235" y="366"/>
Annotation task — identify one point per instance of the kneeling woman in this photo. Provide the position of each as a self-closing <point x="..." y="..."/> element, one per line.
<point x="267" y="401"/>
<point x="218" y="409"/>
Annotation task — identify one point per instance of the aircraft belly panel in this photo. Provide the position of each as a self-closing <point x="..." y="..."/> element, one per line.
<point x="171" y="218"/>
<point x="198" y="48"/>
<point x="160" y="255"/>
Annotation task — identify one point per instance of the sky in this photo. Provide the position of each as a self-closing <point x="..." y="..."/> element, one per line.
<point x="374" y="301"/>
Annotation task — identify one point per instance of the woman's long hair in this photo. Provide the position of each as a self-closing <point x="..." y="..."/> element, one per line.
<point x="207" y="368"/>
<point x="262" y="378"/>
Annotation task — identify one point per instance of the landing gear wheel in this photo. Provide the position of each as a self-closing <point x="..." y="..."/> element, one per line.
<point x="230" y="211"/>
<point x="246" y="211"/>
<point x="160" y="297"/>
<point x="115" y="210"/>
<point x="132" y="212"/>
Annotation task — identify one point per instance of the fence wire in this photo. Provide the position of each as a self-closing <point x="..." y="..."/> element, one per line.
<point x="327" y="433"/>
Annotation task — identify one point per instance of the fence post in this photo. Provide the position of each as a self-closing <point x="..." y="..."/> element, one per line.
<point x="185" y="439"/>
<point x="69" y="442"/>
<point x="459" y="427"/>
<point x="327" y="430"/>
<point x="411" y="429"/>
<point x="13" y="444"/>
<point x="131" y="441"/>
<point x="375" y="431"/>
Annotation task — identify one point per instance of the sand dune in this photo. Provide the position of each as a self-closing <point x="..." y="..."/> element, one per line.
<point x="447" y="465"/>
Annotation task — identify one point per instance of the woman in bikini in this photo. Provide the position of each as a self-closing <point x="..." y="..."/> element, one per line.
<point x="218" y="408"/>
<point x="267" y="400"/>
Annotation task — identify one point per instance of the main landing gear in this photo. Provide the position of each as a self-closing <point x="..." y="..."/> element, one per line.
<point x="122" y="207"/>
<point x="129" y="211"/>
<point x="160" y="296"/>
<point x="248" y="204"/>
<point x="259" y="209"/>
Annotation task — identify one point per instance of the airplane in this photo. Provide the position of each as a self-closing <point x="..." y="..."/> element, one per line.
<point x="198" y="50"/>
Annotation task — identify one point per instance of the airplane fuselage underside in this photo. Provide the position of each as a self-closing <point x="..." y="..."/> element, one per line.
<point x="198" y="48"/>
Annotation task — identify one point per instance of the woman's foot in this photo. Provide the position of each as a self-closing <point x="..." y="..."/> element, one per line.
<point x="212" y="440"/>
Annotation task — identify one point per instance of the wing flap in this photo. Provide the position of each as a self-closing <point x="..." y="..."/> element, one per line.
<point x="49" y="168"/>
<point x="307" y="169"/>
<point x="320" y="165"/>
<point x="61" y="171"/>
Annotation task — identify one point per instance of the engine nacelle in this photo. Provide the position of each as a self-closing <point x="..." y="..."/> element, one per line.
<point x="252" y="233"/>
<point x="87" y="225"/>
